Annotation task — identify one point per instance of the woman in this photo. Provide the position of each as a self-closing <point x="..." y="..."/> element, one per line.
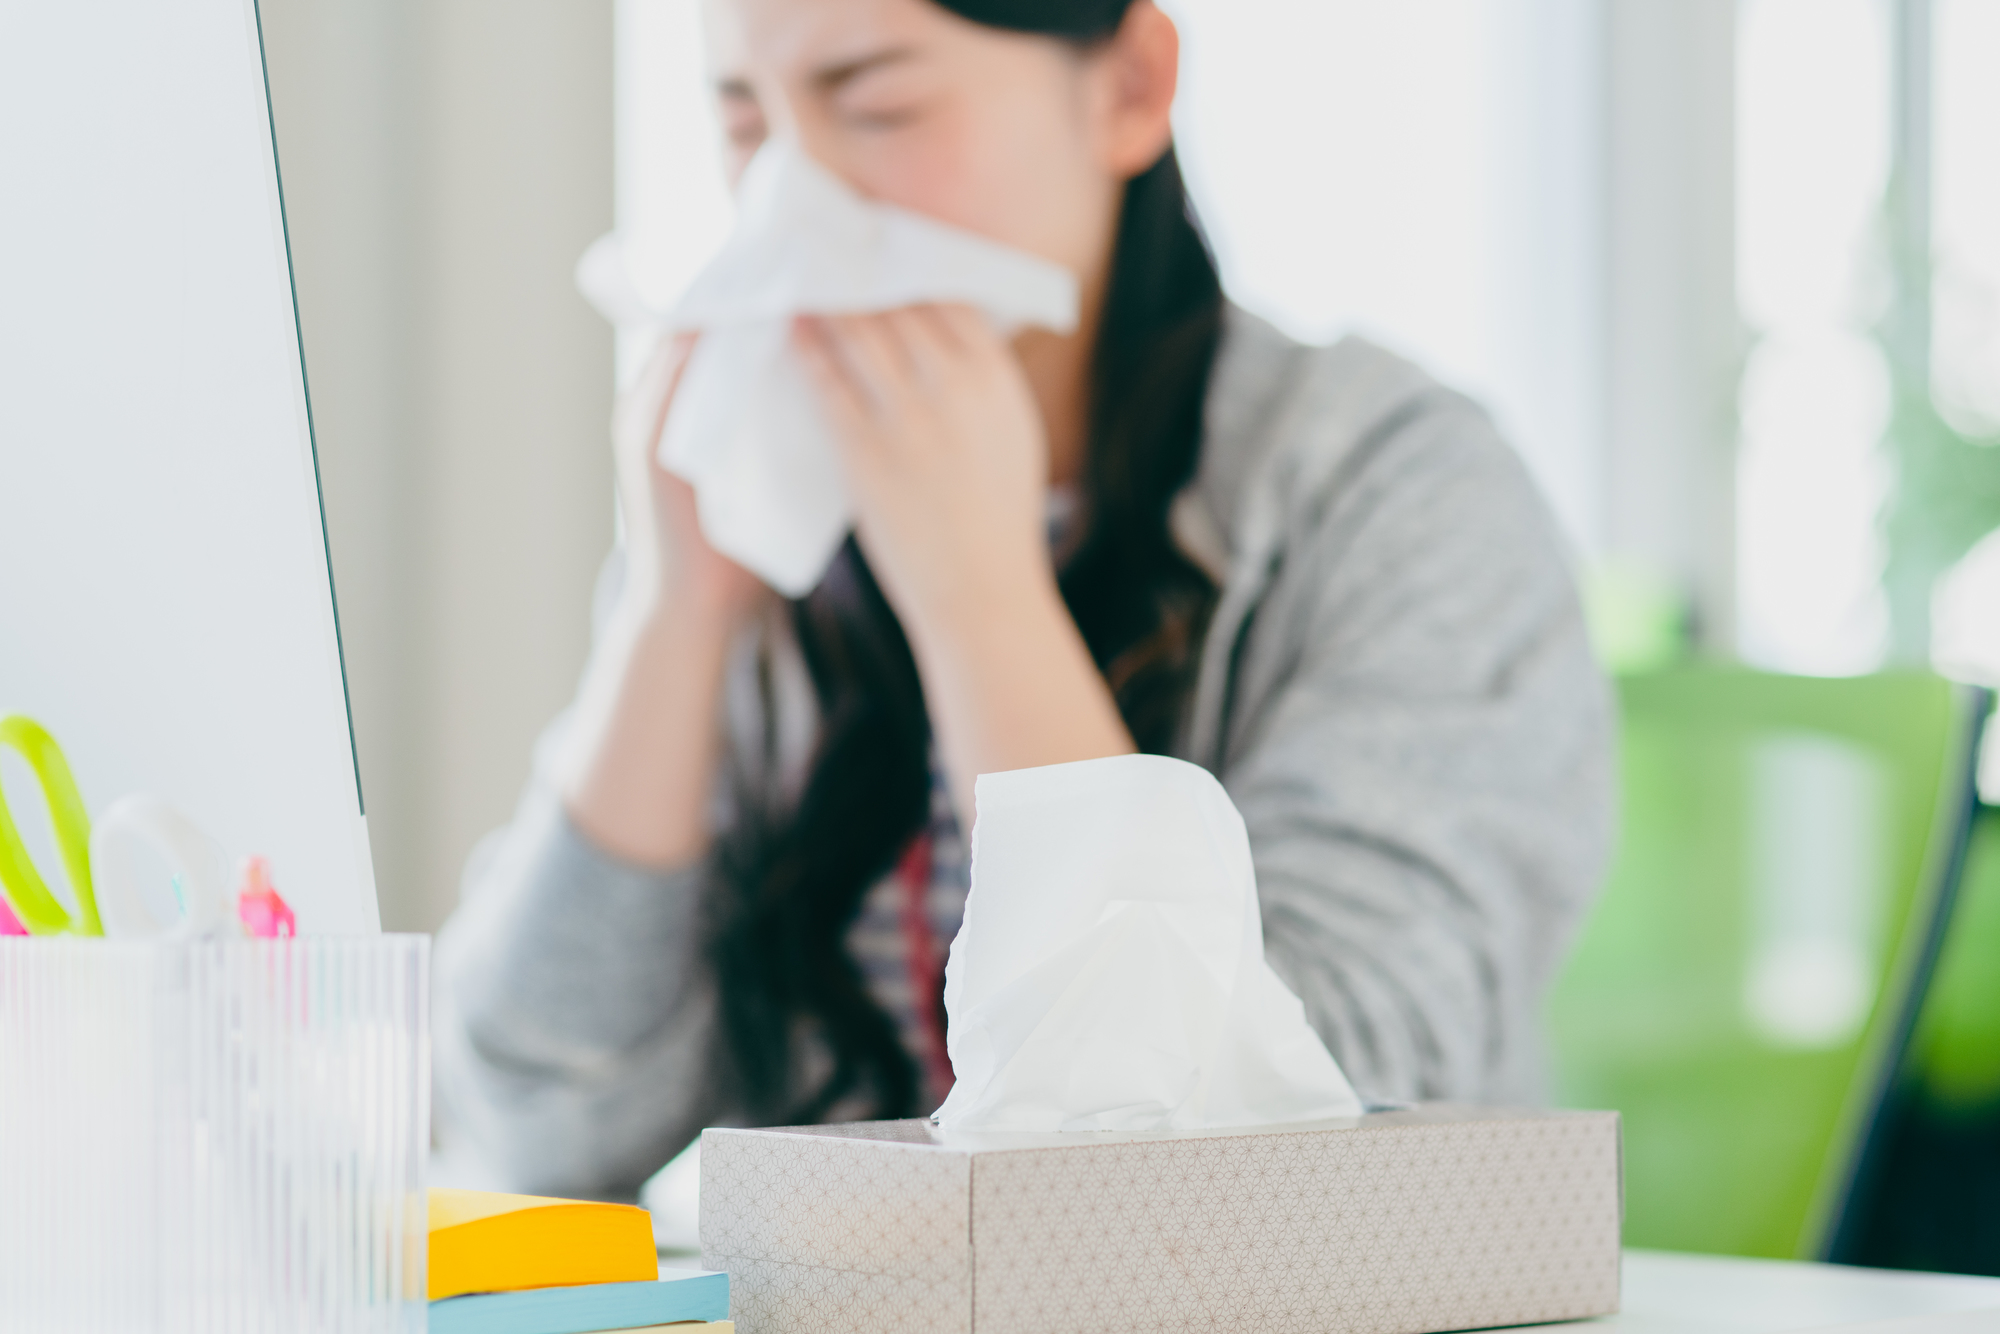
<point x="1314" y="571"/>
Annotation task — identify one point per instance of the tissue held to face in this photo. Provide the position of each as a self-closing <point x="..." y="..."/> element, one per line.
<point x="1023" y="139"/>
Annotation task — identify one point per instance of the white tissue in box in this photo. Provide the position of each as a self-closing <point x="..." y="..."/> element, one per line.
<point x="1435" y="1218"/>
<point x="1110" y="974"/>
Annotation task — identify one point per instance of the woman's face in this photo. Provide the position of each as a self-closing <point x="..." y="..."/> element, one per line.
<point x="1024" y="139"/>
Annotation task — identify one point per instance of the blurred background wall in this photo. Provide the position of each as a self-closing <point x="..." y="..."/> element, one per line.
<point x="1727" y="271"/>
<point x="444" y="163"/>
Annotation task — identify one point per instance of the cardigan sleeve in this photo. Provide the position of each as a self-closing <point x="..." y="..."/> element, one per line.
<point x="574" y="1013"/>
<point x="1420" y="742"/>
<point x="574" y="1010"/>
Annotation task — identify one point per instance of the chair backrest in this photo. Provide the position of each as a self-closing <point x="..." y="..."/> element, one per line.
<point x="1749" y="979"/>
<point x="1928" y="1193"/>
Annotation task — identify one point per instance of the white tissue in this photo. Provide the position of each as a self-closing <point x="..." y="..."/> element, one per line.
<point x="745" y="428"/>
<point x="1110" y="974"/>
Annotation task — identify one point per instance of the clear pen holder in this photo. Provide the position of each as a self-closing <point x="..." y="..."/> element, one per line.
<point x="213" y="1137"/>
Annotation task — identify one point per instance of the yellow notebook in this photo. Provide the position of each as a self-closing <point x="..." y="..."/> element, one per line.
<point x="482" y="1242"/>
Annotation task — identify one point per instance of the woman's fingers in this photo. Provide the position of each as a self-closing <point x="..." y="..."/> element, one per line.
<point x="927" y="328"/>
<point x="893" y="384"/>
<point x="873" y="347"/>
<point x="641" y="412"/>
<point x="932" y="349"/>
<point x="897" y="355"/>
<point x="674" y="364"/>
<point x="964" y="327"/>
<point x="845" y="400"/>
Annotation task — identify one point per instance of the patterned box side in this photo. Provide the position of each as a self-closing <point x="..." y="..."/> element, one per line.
<point x="767" y="1297"/>
<point x="1384" y="1229"/>
<point x="809" y="1225"/>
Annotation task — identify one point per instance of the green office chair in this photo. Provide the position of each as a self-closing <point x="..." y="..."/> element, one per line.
<point x="1749" y="979"/>
<point x="1928" y="1192"/>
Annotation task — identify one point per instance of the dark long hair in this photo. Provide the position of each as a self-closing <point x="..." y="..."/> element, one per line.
<point x="791" y="875"/>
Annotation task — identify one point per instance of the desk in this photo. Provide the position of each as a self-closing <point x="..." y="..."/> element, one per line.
<point x="1713" y="1294"/>
<point x="1663" y="1293"/>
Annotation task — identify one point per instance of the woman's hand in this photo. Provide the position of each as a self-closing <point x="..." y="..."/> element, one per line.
<point x="947" y="460"/>
<point x="945" y="455"/>
<point x="668" y="562"/>
<point x="642" y="747"/>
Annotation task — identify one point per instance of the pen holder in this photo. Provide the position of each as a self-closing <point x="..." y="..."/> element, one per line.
<point x="213" y="1135"/>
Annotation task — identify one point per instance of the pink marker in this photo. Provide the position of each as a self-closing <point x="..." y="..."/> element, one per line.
<point x="10" y="925"/>
<point x="265" y="914"/>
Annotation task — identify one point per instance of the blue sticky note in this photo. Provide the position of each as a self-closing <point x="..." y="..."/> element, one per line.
<point x="681" y="1294"/>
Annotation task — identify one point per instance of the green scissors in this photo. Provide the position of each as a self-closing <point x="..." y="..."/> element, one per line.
<point x="39" y="910"/>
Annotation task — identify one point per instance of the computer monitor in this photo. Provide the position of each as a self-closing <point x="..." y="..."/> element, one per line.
<point x="166" y="601"/>
<point x="1926" y="1192"/>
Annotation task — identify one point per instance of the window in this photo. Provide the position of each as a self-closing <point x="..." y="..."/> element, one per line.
<point x="1869" y="275"/>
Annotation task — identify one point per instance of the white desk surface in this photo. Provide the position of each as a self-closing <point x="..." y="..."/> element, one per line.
<point x="1713" y="1294"/>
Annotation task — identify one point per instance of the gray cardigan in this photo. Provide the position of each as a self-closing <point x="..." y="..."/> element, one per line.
<point x="1396" y="690"/>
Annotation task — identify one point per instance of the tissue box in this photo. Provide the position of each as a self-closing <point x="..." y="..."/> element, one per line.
<point x="1405" y="1222"/>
